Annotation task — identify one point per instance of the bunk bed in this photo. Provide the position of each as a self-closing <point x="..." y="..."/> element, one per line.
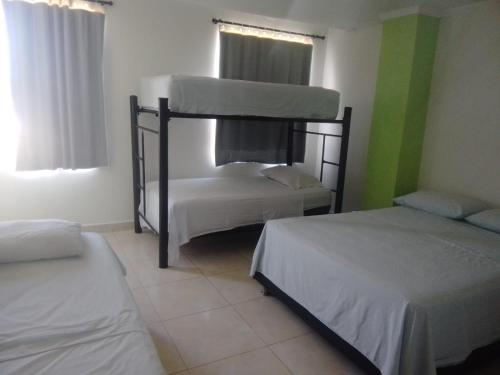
<point x="210" y="98"/>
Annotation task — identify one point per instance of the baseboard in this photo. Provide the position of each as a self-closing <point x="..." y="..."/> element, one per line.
<point x="108" y="227"/>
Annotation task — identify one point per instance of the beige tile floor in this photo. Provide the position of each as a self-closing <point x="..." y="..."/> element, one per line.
<point x="207" y="316"/>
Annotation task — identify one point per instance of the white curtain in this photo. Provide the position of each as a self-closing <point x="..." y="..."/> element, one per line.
<point x="8" y="124"/>
<point x="56" y="77"/>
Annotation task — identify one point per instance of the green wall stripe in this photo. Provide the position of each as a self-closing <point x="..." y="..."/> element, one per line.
<point x="400" y="108"/>
<point x="416" y="112"/>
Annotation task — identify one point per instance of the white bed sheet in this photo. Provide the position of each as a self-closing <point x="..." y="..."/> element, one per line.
<point x="206" y="205"/>
<point x="408" y="289"/>
<point x="72" y="316"/>
<point x="205" y="95"/>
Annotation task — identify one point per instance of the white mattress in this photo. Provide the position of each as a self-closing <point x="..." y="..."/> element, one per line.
<point x="409" y="290"/>
<point x="205" y="95"/>
<point x="72" y="316"/>
<point x="205" y="205"/>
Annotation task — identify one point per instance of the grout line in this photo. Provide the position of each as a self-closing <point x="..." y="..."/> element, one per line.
<point x="265" y="345"/>
<point x="175" y="346"/>
<point x="277" y="342"/>
<point x="218" y="291"/>
<point x="245" y="301"/>
<point x="202" y="274"/>
<point x="217" y="360"/>
<point x="231" y="356"/>
<point x="248" y="324"/>
<point x="195" y="313"/>
<point x="290" y="338"/>
<point x="167" y="283"/>
<point x="279" y="359"/>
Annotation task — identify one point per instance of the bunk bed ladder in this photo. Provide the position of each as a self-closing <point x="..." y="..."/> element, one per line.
<point x="134" y="123"/>
<point x="289" y="146"/>
<point x="344" y="143"/>
<point x="163" y="181"/>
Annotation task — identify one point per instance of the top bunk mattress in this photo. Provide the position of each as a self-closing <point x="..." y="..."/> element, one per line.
<point x="214" y="96"/>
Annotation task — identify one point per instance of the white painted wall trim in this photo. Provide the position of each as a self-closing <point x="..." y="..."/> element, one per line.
<point x="108" y="227"/>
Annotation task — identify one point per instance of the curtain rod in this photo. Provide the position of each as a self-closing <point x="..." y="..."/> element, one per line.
<point x="216" y="21"/>
<point x="102" y="2"/>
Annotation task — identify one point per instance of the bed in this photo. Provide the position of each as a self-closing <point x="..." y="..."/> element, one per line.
<point x="207" y="95"/>
<point x="408" y="290"/>
<point x="207" y="205"/>
<point x="178" y="96"/>
<point x="72" y="316"/>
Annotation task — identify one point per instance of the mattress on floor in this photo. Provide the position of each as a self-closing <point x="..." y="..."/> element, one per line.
<point x="72" y="316"/>
<point x="205" y="205"/>
<point x="205" y="95"/>
<point x="408" y="289"/>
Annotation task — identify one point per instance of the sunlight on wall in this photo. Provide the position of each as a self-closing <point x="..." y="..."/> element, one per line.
<point x="261" y="33"/>
<point x="28" y="175"/>
<point x="213" y="123"/>
<point x="330" y="68"/>
<point x="90" y="6"/>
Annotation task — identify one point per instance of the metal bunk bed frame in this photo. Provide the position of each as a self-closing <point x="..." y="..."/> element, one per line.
<point x="165" y="115"/>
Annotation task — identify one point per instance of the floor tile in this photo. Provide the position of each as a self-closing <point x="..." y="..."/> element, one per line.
<point x="261" y="361"/>
<point x="148" y="312"/>
<point x="115" y="246"/>
<point x="236" y="286"/>
<point x="211" y="335"/>
<point x="213" y="261"/>
<point x="132" y="278"/>
<point x="150" y="274"/>
<point x="311" y="355"/>
<point x="137" y="245"/>
<point x="167" y="351"/>
<point x="271" y="319"/>
<point x="184" y="297"/>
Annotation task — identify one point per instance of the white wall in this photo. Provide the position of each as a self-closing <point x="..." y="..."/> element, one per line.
<point x="351" y="68"/>
<point x="142" y="38"/>
<point x="462" y="141"/>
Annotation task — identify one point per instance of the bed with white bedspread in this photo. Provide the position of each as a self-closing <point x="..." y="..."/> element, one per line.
<point x="72" y="315"/>
<point x="410" y="290"/>
<point x="200" y="206"/>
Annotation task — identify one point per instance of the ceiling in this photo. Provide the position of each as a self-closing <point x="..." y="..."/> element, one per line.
<point x="340" y="13"/>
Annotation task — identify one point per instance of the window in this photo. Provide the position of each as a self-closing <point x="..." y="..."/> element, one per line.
<point x="55" y="57"/>
<point x="8" y="126"/>
<point x="256" y="57"/>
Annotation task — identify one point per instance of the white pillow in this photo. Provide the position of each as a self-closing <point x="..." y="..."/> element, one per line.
<point x="23" y="241"/>
<point x="291" y="177"/>
<point x="453" y="206"/>
<point x="489" y="219"/>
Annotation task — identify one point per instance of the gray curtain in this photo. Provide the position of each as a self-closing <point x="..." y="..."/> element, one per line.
<point x="56" y="72"/>
<point x="265" y="60"/>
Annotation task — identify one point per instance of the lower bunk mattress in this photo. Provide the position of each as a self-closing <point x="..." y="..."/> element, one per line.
<point x="411" y="291"/>
<point x="206" y="205"/>
<point x="72" y="316"/>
